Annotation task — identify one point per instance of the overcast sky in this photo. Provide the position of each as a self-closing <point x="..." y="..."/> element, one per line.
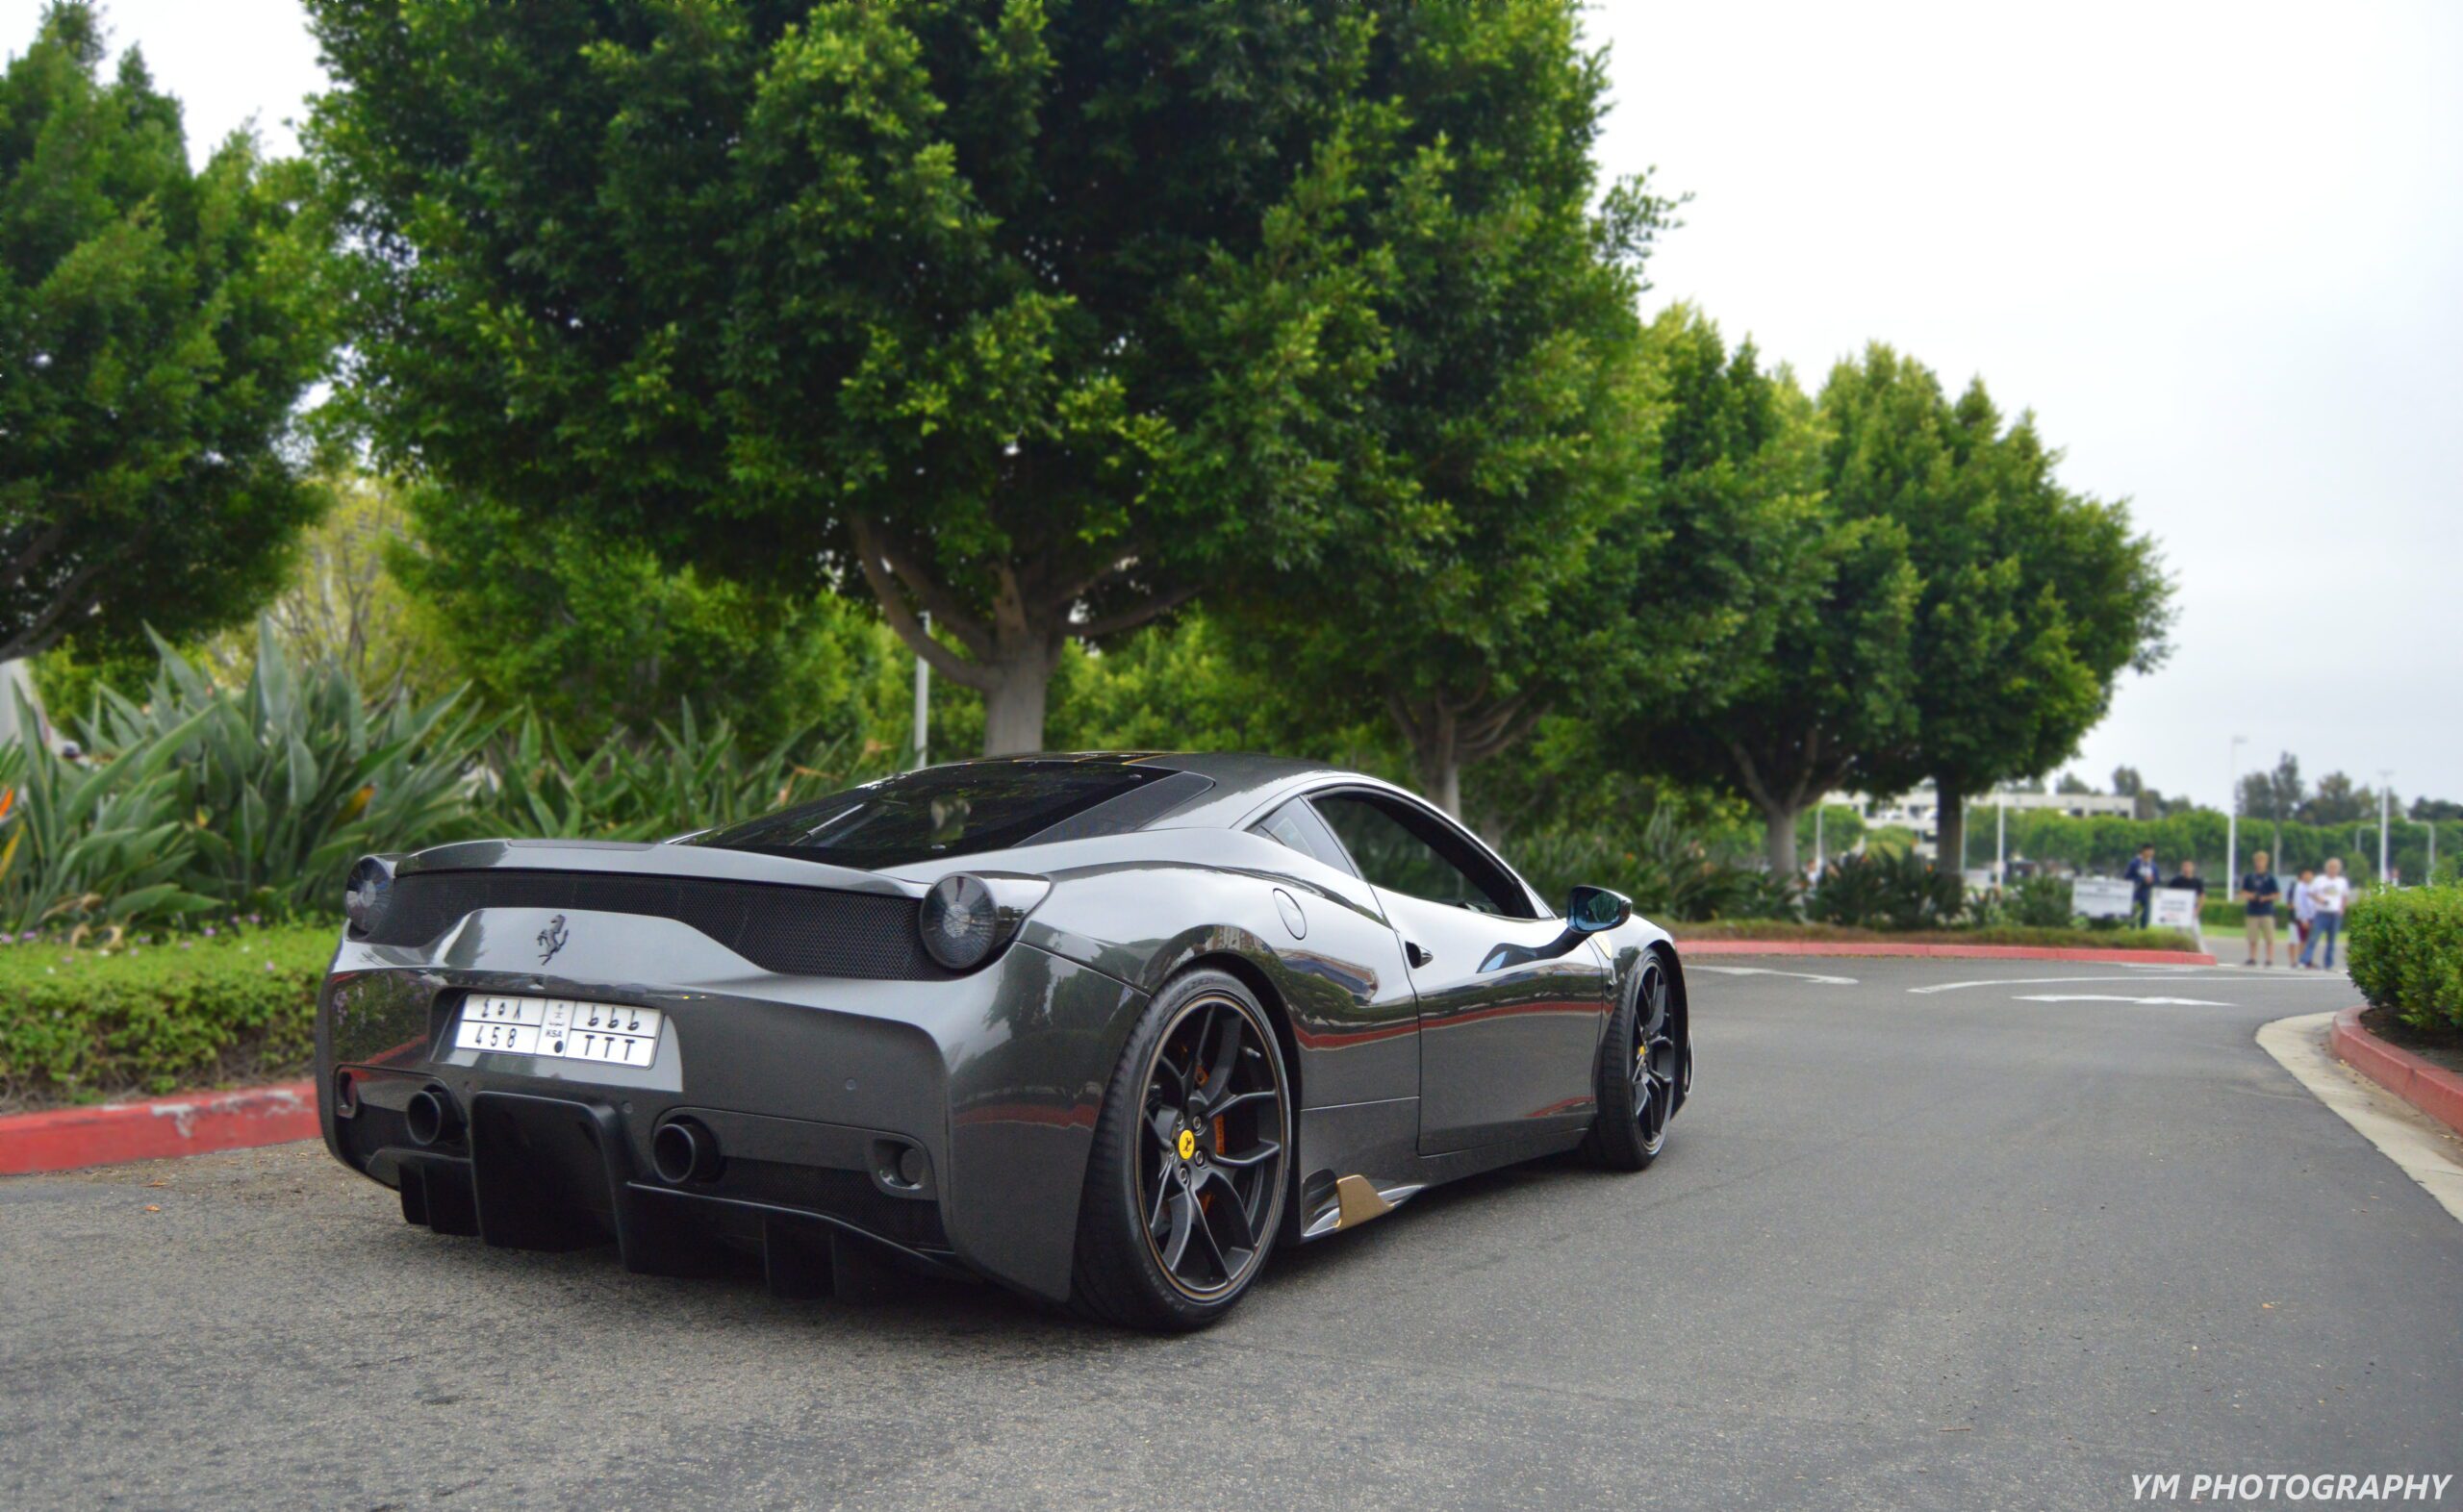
<point x="2216" y="250"/>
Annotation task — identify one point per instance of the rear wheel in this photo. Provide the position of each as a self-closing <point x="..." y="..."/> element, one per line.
<point x="1185" y="1188"/>
<point x="1640" y="1065"/>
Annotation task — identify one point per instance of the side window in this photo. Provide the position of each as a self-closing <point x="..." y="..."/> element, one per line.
<point x="1397" y="855"/>
<point x="1295" y="825"/>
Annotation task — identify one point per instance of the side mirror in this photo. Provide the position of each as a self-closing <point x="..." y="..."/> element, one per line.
<point x="1593" y="909"/>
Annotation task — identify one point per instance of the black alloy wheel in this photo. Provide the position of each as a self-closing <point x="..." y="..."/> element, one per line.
<point x="1189" y="1171"/>
<point x="1638" y="1072"/>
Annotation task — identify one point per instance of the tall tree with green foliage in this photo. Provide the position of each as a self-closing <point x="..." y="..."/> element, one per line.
<point x="597" y="636"/>
<point x="2034" y="598"/>
<point x="1789" y="620"/>
<point x="1513" y="421"/>
<point x="158" y="324"/>
<point x="1030" y="316"/>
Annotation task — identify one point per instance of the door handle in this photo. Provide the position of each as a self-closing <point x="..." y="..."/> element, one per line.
<point x="1416" y="954"/>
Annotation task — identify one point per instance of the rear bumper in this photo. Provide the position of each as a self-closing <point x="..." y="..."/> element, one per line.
<point x="812" y="1088"/>
<point x="532" y="1171"/>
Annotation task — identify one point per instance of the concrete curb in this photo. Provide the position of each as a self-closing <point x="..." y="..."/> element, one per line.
<point x="186" y="1123"/>
<point x="1951" y="952"/>
<point x="2432" y="1088"/>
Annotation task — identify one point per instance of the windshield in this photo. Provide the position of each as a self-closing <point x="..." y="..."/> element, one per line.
<point x="940" y="812"/>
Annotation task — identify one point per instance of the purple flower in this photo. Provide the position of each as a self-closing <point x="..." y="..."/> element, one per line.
<point x="208" y="931"/>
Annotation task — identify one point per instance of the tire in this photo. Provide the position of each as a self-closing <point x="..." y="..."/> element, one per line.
<point x="1643" y="1073"/>
<point x="1188" y="1176"/>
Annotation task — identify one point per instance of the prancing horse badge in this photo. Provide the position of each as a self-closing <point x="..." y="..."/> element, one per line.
<point x="552" y="938"/>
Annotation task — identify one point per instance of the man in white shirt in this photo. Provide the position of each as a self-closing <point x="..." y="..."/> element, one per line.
<point x="2331" y="895"/>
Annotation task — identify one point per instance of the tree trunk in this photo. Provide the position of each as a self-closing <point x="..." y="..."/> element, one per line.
<point x="1779" y="839"/>
<point x="1444" y="783"/>
<point x="1013" y="707"/>
<point x="1437" y="753"/>
<point x="1949" y="846"/>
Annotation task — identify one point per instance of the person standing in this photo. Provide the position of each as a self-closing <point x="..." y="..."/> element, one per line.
<point x="2332" y="894"/>
<point x="2305" y="913"/>
<point x="2143" y="876"/>
<point x="2259" y="891"/>
<point x="2187" y="881"/>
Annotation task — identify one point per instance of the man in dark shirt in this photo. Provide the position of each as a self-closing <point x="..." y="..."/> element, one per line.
<point x="2259" y="891"/>
<point x="2187" y="879"/>
<point x="2142" y="875"/>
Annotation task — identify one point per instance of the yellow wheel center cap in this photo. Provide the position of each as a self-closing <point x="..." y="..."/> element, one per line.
<point x="1188" y="1142"/>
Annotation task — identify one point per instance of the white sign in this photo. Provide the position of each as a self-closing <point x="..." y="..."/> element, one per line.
<point x="2102" y="897"/>
<point x="2175" y="908"/>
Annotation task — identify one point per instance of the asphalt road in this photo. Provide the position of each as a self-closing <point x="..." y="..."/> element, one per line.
<point x="1912" y="1245"/>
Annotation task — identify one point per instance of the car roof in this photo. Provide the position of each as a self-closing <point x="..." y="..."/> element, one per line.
<point x="1232" y="773"/>
<point x="1243" y="783"/>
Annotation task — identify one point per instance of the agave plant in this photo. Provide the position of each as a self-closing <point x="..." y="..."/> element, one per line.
<point x="1670" y="875"/>
<point x="683" y="776"/>
<point x="90" y="846"/>
<point x="281" y="783"/>
<point x="1890" y="891"/>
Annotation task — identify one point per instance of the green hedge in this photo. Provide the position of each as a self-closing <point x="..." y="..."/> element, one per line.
<point x="2407" y="947"/>
<point x="78" y="1025"/>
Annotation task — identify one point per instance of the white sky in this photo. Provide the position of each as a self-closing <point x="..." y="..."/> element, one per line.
<point x="2216" y="248"/>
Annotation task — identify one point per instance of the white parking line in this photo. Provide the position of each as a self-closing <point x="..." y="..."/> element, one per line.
<point x="2427" y="1153"/>
<point x="2111" y="997"/>
<point x="2055" y="983"/>
<point x="1763" y="970"/>
<point x="2197" y="973"/>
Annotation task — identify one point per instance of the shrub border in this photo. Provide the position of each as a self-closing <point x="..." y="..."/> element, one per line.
<point x="185" y="1123"/>
<point x="2431" y="1088"/>
<point x="1954" y="952"/>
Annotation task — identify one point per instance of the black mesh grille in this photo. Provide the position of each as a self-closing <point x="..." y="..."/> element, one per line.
<point x="799" y="931"/>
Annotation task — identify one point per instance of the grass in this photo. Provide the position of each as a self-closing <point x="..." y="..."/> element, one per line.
<point x="1788" y="930"/>
<point x="158" y="1013"/>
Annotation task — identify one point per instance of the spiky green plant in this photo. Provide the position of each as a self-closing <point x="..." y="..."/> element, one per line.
<point x="93" y="844"/>
<point x="284" y="781"/>
<point x="684" y="776"/>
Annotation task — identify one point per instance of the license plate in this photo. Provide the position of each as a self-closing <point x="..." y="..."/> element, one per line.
<point x="564" y="1029"/>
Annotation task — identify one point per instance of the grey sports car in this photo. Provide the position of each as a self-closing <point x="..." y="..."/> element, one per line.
<point x="1103" y="1028"/>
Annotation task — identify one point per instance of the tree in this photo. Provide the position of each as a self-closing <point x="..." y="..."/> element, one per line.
<point x="2034" y="598"/>
<point x="598" y="635"/>
<point x="1512" y="420"/>
<point x="1032" y="318"/>
<point x="2337" y="802"/>
<point x="341" y="603"/>
<point x="1796" y="618"/>
<point x="157" y="326"/>
<point x="2439" y="810"/>
<point x="2071" y="782"/>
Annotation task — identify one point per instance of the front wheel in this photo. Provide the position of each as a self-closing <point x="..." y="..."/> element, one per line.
<point x="1184" y="1187"/>
<point x="1640" y="1065"/>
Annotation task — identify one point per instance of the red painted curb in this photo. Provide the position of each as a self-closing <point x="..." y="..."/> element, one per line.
<point x="188" y="1124"/>
<point x="1951" y="952"/>
<point x="2432" y="1088"/>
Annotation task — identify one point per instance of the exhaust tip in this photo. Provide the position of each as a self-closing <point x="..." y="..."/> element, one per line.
<point x="682" y="1150"/>
<point x="433" y="1115"/>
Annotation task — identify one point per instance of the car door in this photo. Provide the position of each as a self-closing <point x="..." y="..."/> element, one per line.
<point x="1510" y="1009"/>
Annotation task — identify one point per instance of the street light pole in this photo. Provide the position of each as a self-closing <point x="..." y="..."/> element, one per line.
<point x="2001" y="843"/>
<point x="923" y="696"/>
<point x="2232" y="816"/>
<point x="2385" y="790"/>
